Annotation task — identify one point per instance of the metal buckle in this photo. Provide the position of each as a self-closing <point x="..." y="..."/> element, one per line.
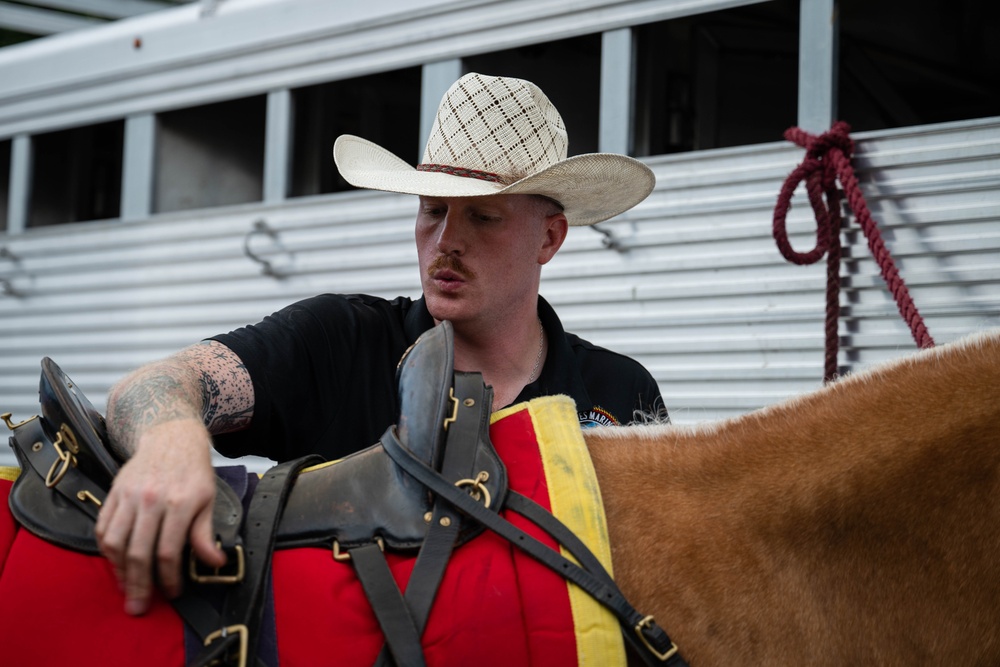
<point x="66" y="458"/>
<point x="216" y="577"/>
<point x="243" y="633"/>
<point x="646" y="623"/>
<point x="11" y="425"/>
<point x="448" y="421"/>
<point x="478" y="488"/>
<point x="343" y="556"/>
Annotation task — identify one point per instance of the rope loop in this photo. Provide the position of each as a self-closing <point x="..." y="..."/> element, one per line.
<point x="827" y="160"/>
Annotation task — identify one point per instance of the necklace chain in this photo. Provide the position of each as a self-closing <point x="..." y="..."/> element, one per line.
<point x="538" y="356"/>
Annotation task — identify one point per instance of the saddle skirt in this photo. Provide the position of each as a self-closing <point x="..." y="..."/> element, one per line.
<point x="495" y="606"/>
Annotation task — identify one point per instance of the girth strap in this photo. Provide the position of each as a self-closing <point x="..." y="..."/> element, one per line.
<point x="650" y="641"/>
<point x="462" y="444"/>
<point x="243" y="607"/>
<point x="401" y="633"/>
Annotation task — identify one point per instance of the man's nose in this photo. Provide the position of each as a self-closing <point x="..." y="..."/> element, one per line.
<point x="450" y="237"/>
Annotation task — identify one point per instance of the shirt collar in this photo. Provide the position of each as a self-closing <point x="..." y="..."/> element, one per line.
<point x="560" y="373"/>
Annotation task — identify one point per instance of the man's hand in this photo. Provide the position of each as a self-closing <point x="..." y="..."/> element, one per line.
<point x="161" y="499"/>
<point x="161" y="418"/>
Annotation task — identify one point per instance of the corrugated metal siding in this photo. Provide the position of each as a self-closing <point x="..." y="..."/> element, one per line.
<point x="697" y="290"/>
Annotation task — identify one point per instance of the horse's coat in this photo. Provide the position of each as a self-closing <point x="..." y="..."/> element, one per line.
<point x="856" y="525"/>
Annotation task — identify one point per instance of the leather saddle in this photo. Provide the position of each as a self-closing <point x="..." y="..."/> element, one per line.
<point x="430" y="483"/>
<point x="360" y="499"/>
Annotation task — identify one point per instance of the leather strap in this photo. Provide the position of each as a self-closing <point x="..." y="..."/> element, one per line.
<point x="462" y="443"/>
<point x="59" y="470"/>
<point x="243" y="607"/>
<point x="643" y="634"/>
<point x="401" y="634"/>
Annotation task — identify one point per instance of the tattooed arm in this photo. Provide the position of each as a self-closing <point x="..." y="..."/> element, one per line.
<point x="161" y="418"/>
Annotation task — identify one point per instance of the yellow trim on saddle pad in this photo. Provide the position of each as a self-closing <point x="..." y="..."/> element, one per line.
<point x="9" y="473"/>
<point x="575" y="497"/>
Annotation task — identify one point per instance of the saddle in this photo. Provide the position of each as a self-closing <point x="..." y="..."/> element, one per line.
<point x="431" y="483"/>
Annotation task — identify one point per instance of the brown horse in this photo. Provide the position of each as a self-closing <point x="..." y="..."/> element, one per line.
<point x="857" y="525"/>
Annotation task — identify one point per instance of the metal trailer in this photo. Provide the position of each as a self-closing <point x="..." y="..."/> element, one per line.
<point x="168" y="176"/>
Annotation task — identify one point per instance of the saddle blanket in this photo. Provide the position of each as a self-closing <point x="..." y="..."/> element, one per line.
<point x="496" y="605"/>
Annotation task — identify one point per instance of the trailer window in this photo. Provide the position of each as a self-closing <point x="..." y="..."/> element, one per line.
<point x="725" y="78"/>
<point x="76" y="174"/>
<point x="383" y="108"/>
<point x="914" y="62"/>
<point x="210" y="155"/>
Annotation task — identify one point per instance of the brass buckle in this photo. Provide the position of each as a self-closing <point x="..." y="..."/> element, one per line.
<point x="11" y="425"/>
<point x="66" y="458"/>
<point x="242" y="631"/>
<point x="645" y="623"/>
<point x="85" y="495"/>
<point x="478" y="489"/>
<point x="216" y="577"/>
<point x="448" y="421"/>
<point x="343" y="556"/>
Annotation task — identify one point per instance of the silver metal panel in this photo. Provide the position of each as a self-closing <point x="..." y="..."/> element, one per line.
<point x="277" y="142"/>
<point x="183" y="58"/>
<point x="137" y="167"/>
<point x="17" y="199"/>
<point x="817" y="64"/>
<point x="37" y="21"/>
<point x="616" y="91"/>
<point x="436" y="80"/>
<point x="113" y="9"/>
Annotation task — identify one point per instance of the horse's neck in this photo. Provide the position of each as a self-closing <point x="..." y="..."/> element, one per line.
<point x="802" y="508"/>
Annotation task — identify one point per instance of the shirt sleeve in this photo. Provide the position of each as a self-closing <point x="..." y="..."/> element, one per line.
<point x="311" y="365"/>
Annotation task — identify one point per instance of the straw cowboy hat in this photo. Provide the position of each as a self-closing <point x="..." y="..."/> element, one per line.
<point x="499" y="135"/>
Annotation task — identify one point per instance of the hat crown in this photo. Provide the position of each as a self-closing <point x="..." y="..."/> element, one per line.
<point x="502" y="126"/>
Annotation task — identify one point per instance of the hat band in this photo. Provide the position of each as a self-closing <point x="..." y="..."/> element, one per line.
<point x="461" y="171"/>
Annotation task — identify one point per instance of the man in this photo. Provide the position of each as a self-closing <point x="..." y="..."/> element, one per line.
<point x="497" y="195"/>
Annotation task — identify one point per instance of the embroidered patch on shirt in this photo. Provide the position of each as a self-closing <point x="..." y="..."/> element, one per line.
<point x="597" y="416"/>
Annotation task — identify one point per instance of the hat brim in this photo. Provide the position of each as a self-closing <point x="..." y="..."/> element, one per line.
<point x="591" y="187"/>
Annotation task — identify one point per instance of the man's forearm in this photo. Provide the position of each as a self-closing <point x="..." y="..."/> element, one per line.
<point x="155" y="394"/>
<point x="205" y="382"/>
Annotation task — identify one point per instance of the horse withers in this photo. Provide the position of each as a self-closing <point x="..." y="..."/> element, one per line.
<point x="859" y="524"/>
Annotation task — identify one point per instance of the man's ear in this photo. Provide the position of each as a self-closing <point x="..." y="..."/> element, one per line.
<point x="555" y="229"/>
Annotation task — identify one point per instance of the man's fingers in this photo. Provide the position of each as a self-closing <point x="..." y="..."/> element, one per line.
<point x="203" y="540"/>
<point x="170" y="552"/>
<point x="139" y="559"/>
<point x="114" y="525"/>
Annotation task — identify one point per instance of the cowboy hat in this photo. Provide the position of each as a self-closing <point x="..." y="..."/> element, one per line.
<point x="500" y="135"/>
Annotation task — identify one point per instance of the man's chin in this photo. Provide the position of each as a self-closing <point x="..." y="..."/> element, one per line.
<point x="446" y="308"/>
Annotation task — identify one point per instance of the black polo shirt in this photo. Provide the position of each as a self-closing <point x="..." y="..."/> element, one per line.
<point x="324" y="375"/>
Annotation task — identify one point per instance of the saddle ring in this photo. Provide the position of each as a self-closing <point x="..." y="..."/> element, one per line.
<point x="477" y="487"/>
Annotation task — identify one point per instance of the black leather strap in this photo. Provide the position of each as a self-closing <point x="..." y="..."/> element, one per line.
<point x="391" y="611"/>
<point x="597" y="583"/>
<point x="462" y="442"/>
<point x="60" y="470"/>
<point x="243" y="606"/>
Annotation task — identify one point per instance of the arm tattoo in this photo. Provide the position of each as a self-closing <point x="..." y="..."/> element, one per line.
<point x="205" y="382"/>
<point x="226" y="388"/>
<point x="150" y="397"/>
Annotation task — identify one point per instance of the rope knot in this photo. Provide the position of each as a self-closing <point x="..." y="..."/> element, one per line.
<point x="828" y="158"/>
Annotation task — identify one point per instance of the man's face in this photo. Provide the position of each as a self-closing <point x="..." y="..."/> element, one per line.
<point x="481" y="257"/>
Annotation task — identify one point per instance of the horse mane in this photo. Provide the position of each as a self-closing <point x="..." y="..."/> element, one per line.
<point x="863" y="513"/>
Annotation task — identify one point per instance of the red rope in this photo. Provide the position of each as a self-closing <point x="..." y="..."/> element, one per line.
<point x="828" y="158"/>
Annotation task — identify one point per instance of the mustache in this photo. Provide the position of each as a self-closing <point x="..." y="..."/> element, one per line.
<point x="451" y="263"/>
